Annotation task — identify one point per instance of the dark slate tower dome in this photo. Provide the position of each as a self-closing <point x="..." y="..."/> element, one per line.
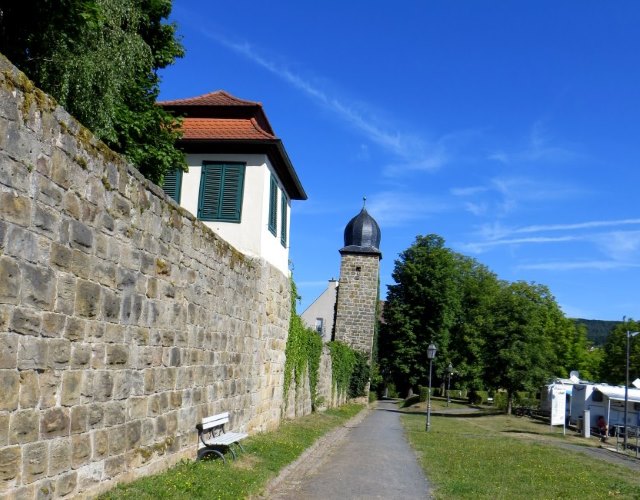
<point x="362" y="234"/>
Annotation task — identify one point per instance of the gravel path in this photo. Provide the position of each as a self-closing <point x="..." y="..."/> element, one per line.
<point x="367" y="458"/>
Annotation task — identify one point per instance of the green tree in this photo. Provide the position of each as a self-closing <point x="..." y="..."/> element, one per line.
<point x="479" y="293"/>
<point x="615" y="354"/>
<point x="100" y="60"/>
<point x="525" y="345"/>
<point x="421" y="308"/>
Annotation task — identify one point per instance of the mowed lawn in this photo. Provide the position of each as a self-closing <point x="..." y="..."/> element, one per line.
<point x="507" y="457"/>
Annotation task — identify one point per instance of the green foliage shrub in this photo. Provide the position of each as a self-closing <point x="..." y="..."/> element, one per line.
<point x="478" y="397"/>
<point x="360" y="374"/>
<point x="424" y="393"/>
<point x="412" y="400"/>
<point x="303" y="350"/>
<point x="500" y="400"/>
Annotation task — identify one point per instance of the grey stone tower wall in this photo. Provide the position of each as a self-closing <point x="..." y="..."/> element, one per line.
<point x="357" y="297"/>
<point x="123" y="319"/>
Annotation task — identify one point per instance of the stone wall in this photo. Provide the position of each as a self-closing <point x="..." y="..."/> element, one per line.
<point x="299" y="397"/>
<point x="123" y="320"/>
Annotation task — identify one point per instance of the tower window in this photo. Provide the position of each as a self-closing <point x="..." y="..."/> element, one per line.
<point x="319" y="325"/>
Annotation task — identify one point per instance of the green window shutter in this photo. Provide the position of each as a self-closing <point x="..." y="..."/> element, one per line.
<point x="232" y="190"/>
<point x="172" y="184"/>
<point x="273" y="206"/>
<point x="283" y="220"/>
<point x="221" y="190"/>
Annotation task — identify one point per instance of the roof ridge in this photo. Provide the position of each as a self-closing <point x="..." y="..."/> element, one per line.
<point x="216" y="93"/>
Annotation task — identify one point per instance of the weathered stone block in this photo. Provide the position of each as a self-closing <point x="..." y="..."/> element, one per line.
<point x="81" y="236"/>
<point x="134" y="434"/>
<point x="102" y="386"/>
<point x="15" y="208"/>
<point x="66" y="484"/>
<point x="4" y="429"/>
<point x="23" y="244"/>
<point x="79" y="419"/>
<point x="110" y="306"/>
<point x="98" y="356"/>
<point x="8" y="350"/>
<point x="122" y="384"/>
<point x="75" y="329"/>
<point x="100" y="442"/>
<point x="46" y="220"/>
<point x="10" y="461"/>
<point x="117" y="440"/>
<point x="59" y="456"/>
<point x="114" y="413"/>
<point x="95" y="415"/>
<point x="114" y="466"/>
<point x="26" y="321"/>
<point x="136" y="408"/>
<point x="49" y="383"/>
<point x="80" y="450"/>
<point x="23" y="426"/>
<point x="87" y="299"/>
<point x="104" y="272"/>
<point x="10" y="282"/>
<point x="71" y="387"/>
<point x="32" y="353"/>
<point x="38" y="287"/>
<point x="59" y="353"/>
<point x="55" y="422"/>
<point x="65" y="301"/>
<point x="35" y="461"/>
<point x="53" y="324"/>
<point x="29" y="389"/>
<point x="80" y="356"/>
<point x="117" y="355"/>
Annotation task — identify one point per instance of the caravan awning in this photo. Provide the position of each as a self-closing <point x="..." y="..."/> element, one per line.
<point x="616" y="393"/>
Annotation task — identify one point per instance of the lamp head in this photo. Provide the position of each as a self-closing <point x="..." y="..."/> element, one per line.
<point x="431" y="351"/>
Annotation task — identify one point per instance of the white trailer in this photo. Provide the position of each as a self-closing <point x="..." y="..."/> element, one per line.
<point x="604" y="400"/>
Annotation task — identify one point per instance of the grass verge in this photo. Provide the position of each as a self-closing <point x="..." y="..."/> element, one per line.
<point x="482" y="458"/>
<point x="266" y="454"/>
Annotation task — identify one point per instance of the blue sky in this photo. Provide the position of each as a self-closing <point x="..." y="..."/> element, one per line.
<point x="511" y="129"/>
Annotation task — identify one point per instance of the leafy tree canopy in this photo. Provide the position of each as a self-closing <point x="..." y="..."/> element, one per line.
<point x="100" y="60"/>
<point x="496" y="334"/>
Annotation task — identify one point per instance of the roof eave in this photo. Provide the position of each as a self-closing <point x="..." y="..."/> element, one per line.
<point x="273" y="148"/>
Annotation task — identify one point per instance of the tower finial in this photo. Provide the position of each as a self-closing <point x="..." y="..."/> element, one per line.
<point x="364" y="201"/>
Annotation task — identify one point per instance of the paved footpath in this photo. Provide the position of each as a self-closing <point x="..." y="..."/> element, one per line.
<point x="371" y="459"/>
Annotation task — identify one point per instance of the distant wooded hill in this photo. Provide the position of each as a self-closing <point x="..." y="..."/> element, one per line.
<point x="597" y="330"/>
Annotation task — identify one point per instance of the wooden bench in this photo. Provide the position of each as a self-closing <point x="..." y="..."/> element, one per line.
<point x="214" y="440"/>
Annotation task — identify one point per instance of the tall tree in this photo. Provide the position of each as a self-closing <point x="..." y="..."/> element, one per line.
<point x="615" y="354"/>
<point x="526" y="341"/>
<point x="100" y="60"/>
<point x="421" y="308"/>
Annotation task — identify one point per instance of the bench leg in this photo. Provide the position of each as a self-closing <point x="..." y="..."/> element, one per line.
<point x="207" y="453"/>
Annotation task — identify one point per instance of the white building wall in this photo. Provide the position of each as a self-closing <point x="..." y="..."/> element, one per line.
<point x="323" y="307"/>
<point x="251" y="236"/>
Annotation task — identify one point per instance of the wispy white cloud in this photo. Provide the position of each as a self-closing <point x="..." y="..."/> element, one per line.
<point x="398" y="208"/>
<point x="414" y="152"/>
<point x="538" y="147"/>
<point x="599" y="265"/>
<point x="579" y="225"/>
<point x="478" y="247"/>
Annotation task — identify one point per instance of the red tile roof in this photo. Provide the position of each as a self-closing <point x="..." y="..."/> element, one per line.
<point x="223" y="128"/>
<point x="217" y="98"/>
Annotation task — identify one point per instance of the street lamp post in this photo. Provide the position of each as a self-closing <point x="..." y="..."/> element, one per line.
<point x="431" y="353"/>
<point x="449" y="373"/>
<point x="626" y="387"/>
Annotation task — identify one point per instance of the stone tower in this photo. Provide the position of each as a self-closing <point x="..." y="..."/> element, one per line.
<point x="358" y="286"/>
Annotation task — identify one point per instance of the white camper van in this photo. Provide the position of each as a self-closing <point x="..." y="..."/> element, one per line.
<point x="604" y="400"/>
